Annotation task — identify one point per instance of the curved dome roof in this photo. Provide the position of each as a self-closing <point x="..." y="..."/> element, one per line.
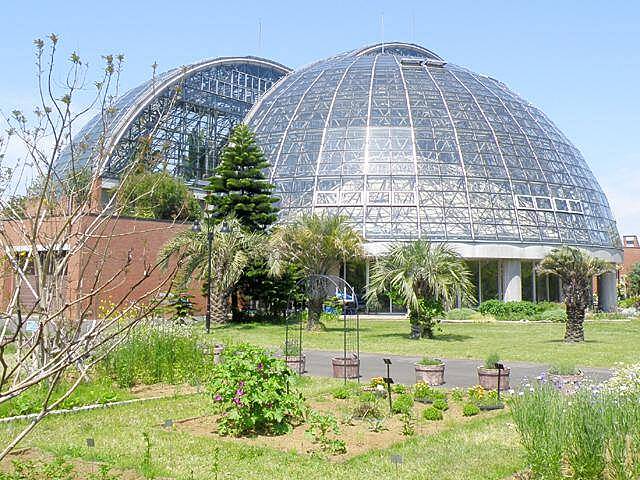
<point x="410" y="146"/>
<point x="181" y="114"/>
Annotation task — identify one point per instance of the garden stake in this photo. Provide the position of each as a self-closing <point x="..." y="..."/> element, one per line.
<point x="388" y="381"/>
<point x="499" y="366"/>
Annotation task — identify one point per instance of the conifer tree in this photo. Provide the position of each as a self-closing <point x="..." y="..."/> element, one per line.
<point x="240" y="188"/>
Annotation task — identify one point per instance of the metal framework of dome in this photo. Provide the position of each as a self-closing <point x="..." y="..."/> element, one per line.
<point x="410" y="146"/>
<point x="182" y="116"/>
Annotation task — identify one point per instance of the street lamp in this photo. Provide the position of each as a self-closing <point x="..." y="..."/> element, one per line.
<point x="224" y="229"/>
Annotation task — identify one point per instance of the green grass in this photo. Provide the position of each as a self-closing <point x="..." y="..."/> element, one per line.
<point x="606" y="342"/>
<point x="485" y="448"/>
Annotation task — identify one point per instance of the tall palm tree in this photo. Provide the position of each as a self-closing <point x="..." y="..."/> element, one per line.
<point x="423" y="276"/>
<point x="230" y="254"/>
<point x="576" y="269"/>
<point x="316" y="245"/>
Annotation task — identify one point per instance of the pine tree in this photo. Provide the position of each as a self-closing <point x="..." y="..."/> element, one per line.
<point x="240" y="188"/>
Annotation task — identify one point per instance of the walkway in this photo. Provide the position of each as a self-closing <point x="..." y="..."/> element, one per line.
<point x="458" y="373"/>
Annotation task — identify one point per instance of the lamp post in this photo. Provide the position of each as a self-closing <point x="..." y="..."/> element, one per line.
<point x="224" y="228"/>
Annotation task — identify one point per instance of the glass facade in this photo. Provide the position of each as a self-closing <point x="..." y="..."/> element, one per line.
<point x="409" y="146"/>
<point x="180" y="118"/>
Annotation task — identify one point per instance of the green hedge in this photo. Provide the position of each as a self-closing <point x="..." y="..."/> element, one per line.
<point x="523" y="310"/>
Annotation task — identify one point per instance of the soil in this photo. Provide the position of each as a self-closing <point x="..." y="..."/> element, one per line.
<point x="162" y="390"/>
<point x="357" y="435"/>
<point x="81" y="468"/>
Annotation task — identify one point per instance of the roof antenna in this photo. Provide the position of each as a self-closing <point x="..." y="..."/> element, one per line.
<point x="382" y="30"/>
<point x="259" y="36"/>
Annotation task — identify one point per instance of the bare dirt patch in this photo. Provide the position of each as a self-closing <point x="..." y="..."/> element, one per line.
<point x="357" y="434"/>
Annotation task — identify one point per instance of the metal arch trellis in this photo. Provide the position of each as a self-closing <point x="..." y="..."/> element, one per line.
<point x="325" y="286"/>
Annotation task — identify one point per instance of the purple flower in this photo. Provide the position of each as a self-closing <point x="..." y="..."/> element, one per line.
<point x="218" y="398"/>
<point x="237" y="401"/>
<point x="241" y="384"/>
<point x="260" y="366"/>
<point x="239" y="392"/>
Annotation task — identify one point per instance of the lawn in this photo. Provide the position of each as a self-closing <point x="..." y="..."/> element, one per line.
<point x="176" y="453"/>
<point x="607" y="342"/>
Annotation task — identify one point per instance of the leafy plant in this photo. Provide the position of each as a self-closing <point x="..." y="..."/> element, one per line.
<point x="470" y="409"/>
<point x="457" y="394"/>
<point x="399" y="388"/>
<point x="429" y="361"/>
<point x="252" y="391"/>
<point x="564" y="368"/>
<point x="432" y="414"/>
<point x="440" y="404"/>
<point x="491" y="360"/>
<point x="376" y="381"/>
<point x="319" y="427"/>
<point x="476" y="393"/>
<point x="424" y="391"/>
<point x="345" y="391"/>
<point x="377" y="425"/>
<point x="367" y="405"/>
<point x="408" y="424"/>
<point x="403" y="403"/>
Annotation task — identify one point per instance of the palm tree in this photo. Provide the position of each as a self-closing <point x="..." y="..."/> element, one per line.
<point x="576" y="269"/>
<point x="426" y="278"/>
<point x="230" y="254"/>
<point x="316" y="245"/>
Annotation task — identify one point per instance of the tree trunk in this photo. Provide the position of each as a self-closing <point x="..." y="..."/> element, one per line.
<point x="218" y="307"/>
<point x="575" y="324"/>
<point x="315" y="310"/>
<point x="416" y="331"/>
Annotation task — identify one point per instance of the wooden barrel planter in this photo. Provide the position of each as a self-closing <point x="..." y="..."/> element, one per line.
<point x="346" y="367"/>
<point x="488" y="378"/>
<point x="217" y="353"/>
<point x="431" y="374"/>
<point x="297" y="363"/>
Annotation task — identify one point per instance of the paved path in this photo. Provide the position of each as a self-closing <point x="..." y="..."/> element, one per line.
<point x="458" y="373"/>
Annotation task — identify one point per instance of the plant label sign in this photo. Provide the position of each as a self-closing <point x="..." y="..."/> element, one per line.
<point x="91" y="442"/>
<point x="168" y="423"/>
<point x="396" y="459"/>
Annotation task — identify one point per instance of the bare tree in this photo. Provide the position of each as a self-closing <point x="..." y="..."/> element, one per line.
<point x="58" y="238"/>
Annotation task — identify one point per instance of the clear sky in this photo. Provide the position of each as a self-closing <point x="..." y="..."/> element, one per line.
<point x="579" y="61"/>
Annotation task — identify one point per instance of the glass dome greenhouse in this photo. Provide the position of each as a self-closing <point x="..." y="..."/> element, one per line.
<point x="408" y="146"/>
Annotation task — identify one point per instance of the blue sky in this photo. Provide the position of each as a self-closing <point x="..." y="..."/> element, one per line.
<point x="579" y="61"/>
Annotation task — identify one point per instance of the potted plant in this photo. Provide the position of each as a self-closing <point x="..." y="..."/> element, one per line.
<point x="489" y="375"/>
<point x="566" y="377"/>
<point x="348" y="367"/>
<point x="293" y="357"/>
<point x="430" y="370"/>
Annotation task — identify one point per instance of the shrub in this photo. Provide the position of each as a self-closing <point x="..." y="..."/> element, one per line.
<point x="553" y="315"/>
<point x="251" y="390"/>
<point x="629" y="302"/>
<point x="564" y="368"/>
<point x="157" y="355"/>
<point x="319" y="427"/>
<point x="432" y="414"/>
<point x="461" y="314"/>
<point x="457" y="394"/>
<point x="429" y="361"/>
<point x="345" y="391"/>
<point x="366" y="406"/>
<point x="470" y="409"/>
<point x="424" y="391"/>
<point x="522" y="310"/>
<point x="495" y="308"/>
<point x="399" y="388"/>
<point x="491" y="360"/>
<point x="402" y="404"/>
<point x="440" y="404"/>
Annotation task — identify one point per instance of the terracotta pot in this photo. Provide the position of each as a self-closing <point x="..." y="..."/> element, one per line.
<point x="217" y="353"/>
<point x="432" y="374"/>
<point x="346" y="367"/>
<point x="488" y="378"/>
<point x="297" y="363"/>
<point x="567" y="384"/>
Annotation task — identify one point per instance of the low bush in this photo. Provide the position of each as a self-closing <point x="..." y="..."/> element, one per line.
<point x="399" y="388"/>
<point x="440" y="404"/>
<point x="470" y="409"/>
<point x="424" y="391"/>
<point x="402" y="404"/>
<point x="457" y="394"/>
<point x="432" y="414"/>
<point x="523" y="310"/>
<point x="251" y="390"/>
<point x="462" y="314"/>
<point x="319" y="427"/>
<point x="157" y="355"/>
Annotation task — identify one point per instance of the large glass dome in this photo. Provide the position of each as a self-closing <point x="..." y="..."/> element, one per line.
<point x="410" y="146"/>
